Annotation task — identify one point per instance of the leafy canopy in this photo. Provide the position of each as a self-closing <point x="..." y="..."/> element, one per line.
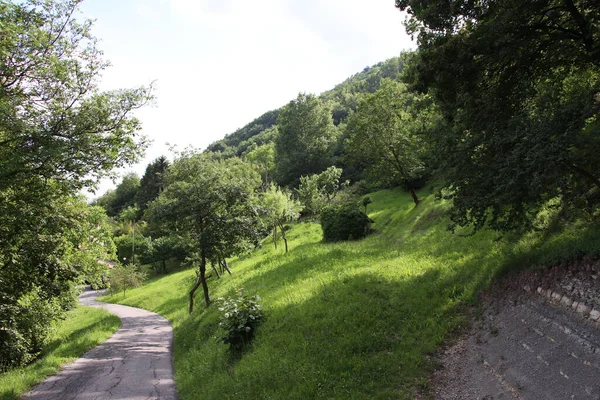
<point x="213" y="202"/>
<point x="518" y="83"/>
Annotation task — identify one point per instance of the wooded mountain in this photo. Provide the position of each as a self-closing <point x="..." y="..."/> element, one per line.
<point x="342" y="99"/>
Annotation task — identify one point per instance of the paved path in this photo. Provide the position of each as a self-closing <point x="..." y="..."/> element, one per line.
<point x="135" y="363"/>
<point x="528" y="350"/>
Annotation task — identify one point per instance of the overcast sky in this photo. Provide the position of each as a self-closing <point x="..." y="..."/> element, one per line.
<point x="218" y="64"/>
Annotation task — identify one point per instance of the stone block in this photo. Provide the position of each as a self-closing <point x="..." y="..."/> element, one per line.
<point x="583" y="308"/>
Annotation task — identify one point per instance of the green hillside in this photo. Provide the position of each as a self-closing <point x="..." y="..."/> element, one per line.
<point x="343" y="98"/>
<point x="351" y="320"/>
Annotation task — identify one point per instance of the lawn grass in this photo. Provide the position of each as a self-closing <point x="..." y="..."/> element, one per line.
<point x="83" y="329"/>
<point x="351" y="320"/>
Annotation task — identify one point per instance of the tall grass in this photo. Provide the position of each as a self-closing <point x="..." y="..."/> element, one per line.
<point x="352" y="320"/>
<point x="83" y="329"/>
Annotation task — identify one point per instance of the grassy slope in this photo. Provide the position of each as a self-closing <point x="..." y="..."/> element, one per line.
<point x="346" y="320"/>
<point x="83" y="329"/>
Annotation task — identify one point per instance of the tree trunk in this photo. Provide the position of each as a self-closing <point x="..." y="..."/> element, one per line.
<point x="225" y="266"/>
<point x="212" y="264"/>
<point x="414" y="196"/>
<point x="275" y="237"/>
<point x="200" y="281"/>
<point x="585" y="173"/>
<point x="284" y="237"/>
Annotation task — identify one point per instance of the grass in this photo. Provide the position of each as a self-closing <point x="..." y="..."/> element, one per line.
<point x="352" y="320"/>
<point x="83" y="329"/>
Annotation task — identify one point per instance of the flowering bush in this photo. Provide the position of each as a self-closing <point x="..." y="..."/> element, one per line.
<point x="239" y="318"/>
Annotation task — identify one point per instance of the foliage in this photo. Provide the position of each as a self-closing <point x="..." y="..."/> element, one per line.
<point x="306" y="139"/>
<point x="83" y="329"/>
<point x="25" y="328"/>
<point x="318" y="190"/>
<point x="55" y="123"/>
<point x="518" y="84"/>
<point x="386" y="135"/>
<point x="213" y="203"/>
<point x="126" y="245"/>
<point x="263" y="159"/>
<point x="365" y="202"/>
<point x="58" y="134"/>
<point x="279" y="208"/>
<point x="240" y="316"/>
<point x="344" y="222"/>
<point x="44" y="250"/>
<point x="122" y="198"/>
<point x="165" y="248"/>
<point x="123" y="277"/>
<point x="151" y="184"/>
<point x="236" y="143"/>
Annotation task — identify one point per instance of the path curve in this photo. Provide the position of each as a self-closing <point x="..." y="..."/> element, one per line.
<point x="135" y="363"/>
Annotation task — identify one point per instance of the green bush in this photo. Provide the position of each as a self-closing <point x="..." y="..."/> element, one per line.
<point x="143" y="249"/>
<point x="239" y="318"/>
<point x="25" y="327"/>
<point x="345" y="222"/>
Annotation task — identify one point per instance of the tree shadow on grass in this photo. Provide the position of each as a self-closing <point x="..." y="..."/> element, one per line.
<point x="360" y="337"/>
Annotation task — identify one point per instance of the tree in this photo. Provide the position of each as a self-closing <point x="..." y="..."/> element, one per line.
<point x="517" y="82"/>
<point x="306" y="139"/>
<point x="45" y="249"/>
<point x="263" y="158"/>
<point x="151" y="184"/>
<point x="58" y="134"/>
<point x="385" y="135"/>
<point x="55" y="123"/>
<point x="318" y="190"/>
<point x="279" y="208"/>
<point x="123" y="277"/>
<point x="213" y="203"/>
<point x="165" y="248"/>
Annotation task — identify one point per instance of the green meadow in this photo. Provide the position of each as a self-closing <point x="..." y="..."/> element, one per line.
<point x="351" y="320"/>
<point x="83" y="329"/>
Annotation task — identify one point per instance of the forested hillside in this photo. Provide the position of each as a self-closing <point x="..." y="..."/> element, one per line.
<point x="420" y="177"/>
<point x="342" y="99"/>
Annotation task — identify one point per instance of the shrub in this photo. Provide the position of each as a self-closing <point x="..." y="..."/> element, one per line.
<point x="240" y="317"/>
<point x="26" y="326"/>
<point x="345" y="222"/>
<point x="143" y="248"/>
<point x="123" y="277"/>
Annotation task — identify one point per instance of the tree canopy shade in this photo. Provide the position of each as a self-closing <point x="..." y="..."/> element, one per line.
<point x="213" y="203"/>
<point x="58" y="134"/>
<point x="518" y="81"/>
<point x="306" y="139"/>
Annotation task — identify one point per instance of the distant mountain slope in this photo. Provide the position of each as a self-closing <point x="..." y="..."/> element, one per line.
<point x="343" y="99"/>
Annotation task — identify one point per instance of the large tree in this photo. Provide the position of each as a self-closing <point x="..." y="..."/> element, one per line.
<point x="306" y="139"/>
<point x="58" y="134"/>
<point x="152" y="183"/>
<point x="213" y="202"/>
<point x="386" y="135"/>
<point x="518" y="81"/>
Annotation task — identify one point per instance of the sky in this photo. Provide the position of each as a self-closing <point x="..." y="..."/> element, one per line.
<point x="218" y="64"/>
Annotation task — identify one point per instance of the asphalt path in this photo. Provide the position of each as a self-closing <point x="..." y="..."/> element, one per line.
<point x="135" y="363"/>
